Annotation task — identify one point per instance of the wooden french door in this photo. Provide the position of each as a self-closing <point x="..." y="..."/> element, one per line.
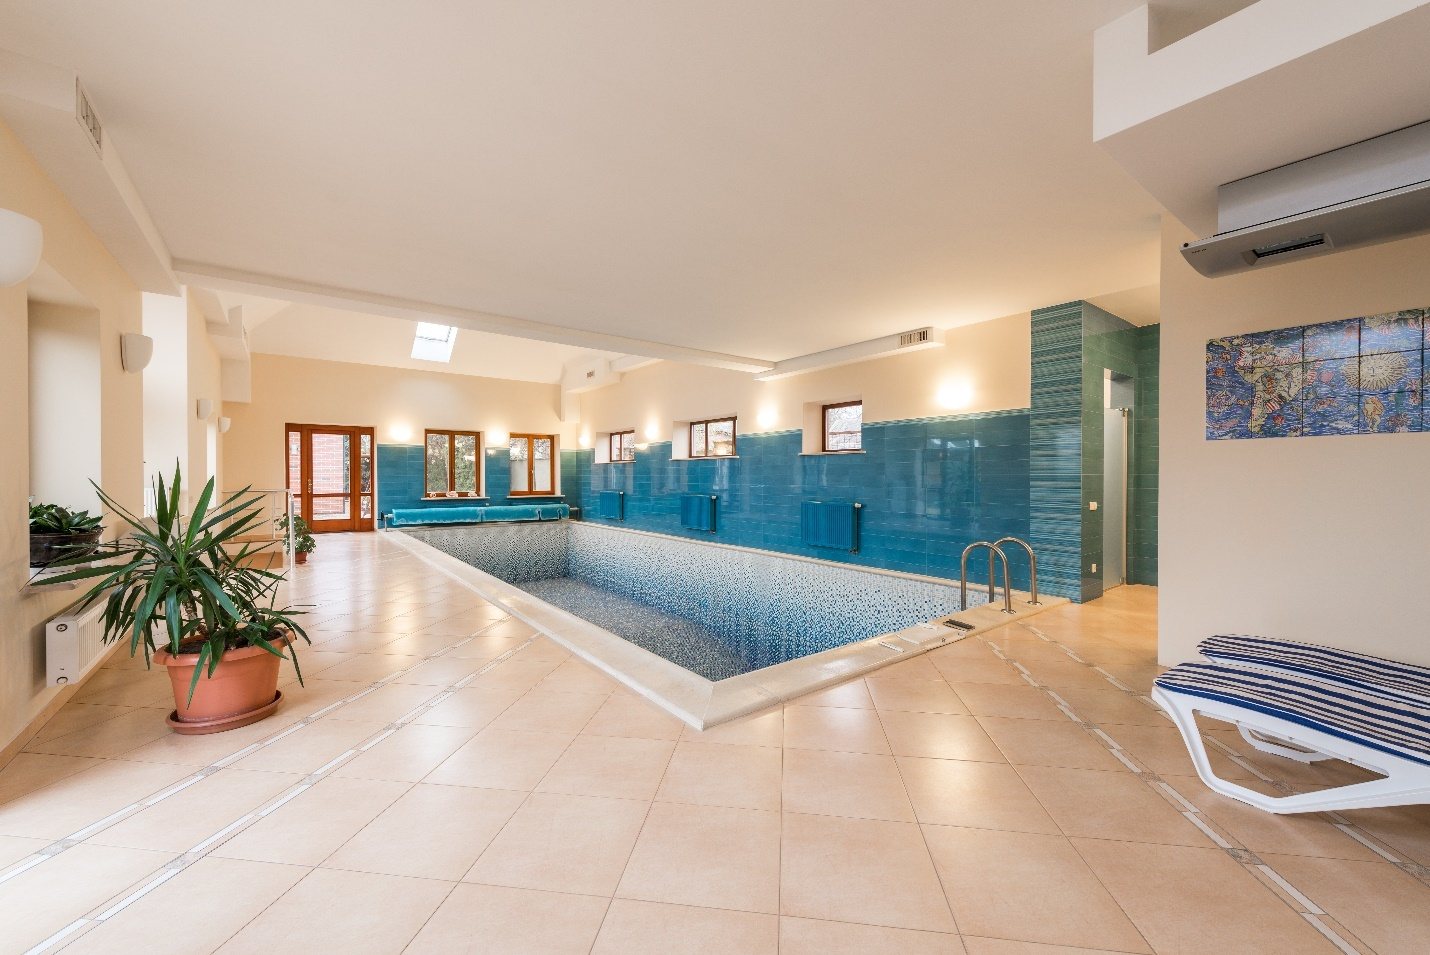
<point x="331" y="474"/>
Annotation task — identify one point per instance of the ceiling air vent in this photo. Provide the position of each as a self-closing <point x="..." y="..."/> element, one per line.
<point x="88" y="118"/>
<point x="917" y="337"/>
<point x="591" y="374"/>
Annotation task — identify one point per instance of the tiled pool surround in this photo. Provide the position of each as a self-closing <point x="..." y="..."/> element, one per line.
<point x="708" y="631"/>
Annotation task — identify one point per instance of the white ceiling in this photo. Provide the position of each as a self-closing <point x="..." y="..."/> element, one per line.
<point x="311" y="331"/>
<point x="763" y="179"/>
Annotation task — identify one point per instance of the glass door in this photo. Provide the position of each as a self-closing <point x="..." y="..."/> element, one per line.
<point x="330" y="472"/>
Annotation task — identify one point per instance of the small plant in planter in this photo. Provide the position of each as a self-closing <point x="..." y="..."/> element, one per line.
<point x="303" y="543"/>
<point x="222" y="634"/>
<point x="57" y="533"/>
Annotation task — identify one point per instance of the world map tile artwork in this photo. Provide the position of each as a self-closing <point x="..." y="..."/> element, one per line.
<point x="1357" y="376"/>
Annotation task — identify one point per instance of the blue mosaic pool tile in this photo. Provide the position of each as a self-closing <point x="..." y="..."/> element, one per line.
<point x="1333" y="339"/>
<point x="1387" y="414"/>
<point x="1392" y="331"/>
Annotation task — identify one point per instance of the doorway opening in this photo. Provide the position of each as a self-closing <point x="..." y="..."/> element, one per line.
<point x="1118" y="393"/>
<point x="331" y="474"/>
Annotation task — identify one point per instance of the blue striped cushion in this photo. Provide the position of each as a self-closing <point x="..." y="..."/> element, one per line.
<point x="1389" y="724"/>
<point x="1342" y="667"/>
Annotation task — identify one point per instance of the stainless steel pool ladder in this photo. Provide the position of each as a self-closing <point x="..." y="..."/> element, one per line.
<point x="993" y="551"/>
<point x="1033" y="600"/>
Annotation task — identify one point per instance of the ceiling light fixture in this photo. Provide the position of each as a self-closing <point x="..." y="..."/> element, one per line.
<point x="433" y="342"/>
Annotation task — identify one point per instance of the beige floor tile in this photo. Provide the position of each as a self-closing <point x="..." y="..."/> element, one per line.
<point x="361" y="913"/>
<point x="939" y="736"/>
<point x="1048" y="743"/>
<point x="1405" y="829"/>
<point x="183" y="820"/>
<point x="919" y="667"/>
<point x="1299" y="834"/>
<point x="853" y="695"/>
<point x="486" y="647"/>
<point x="1109" y="805"/>
<point x="517" y="674"/>
<point x="42" y="900"/>
<point x="313" y="661"/>
<point x="978" y="670"/>
<point x="915" y="696"/>
<point x="441" y="672"/>
<point x="384" y="704"/>
<point x="834" y="728"/>
<point x="113" y="737"/>
<point x="310" y="747"/>
<point x="814" y="937"/>
<point x="301" y="700"/>
<point x="1064" y="674"/>
<point x="542" y="711"/>
<point x="424" y="643"/>
<point x="766" y="728"/>
<point x="127" y="688"/>
<point x="860" y="785"/>
<point x="495" y="920"/>
<point x="957" y="792"/>
<point x="544" y="648"/>
<point x="609" y="766"/>
<point x="1027" y="886"/>
<point x="77" y="716"/>
<point x="408" y="754"/>
<point x="194" y="912"/>
<point x="80" y="800"/>
<point x="30" y="771"/>
<point x="1161" y="750"/>
<point x="1003" y="946"/>
<point x="1384" y="906"/>
<point x="432" y="832"/>
<point x="722" y="774"/>
<point x="1198" y="901"/>
<point x="576" y="676"/>
<point x="651" y="928"/>
<point x="15" y="848"/>
<point x="198" y="751"/>
<point x="1113" y="708"/>
<point x="311" y="826"/>
<point x="349" y="641"/>
<point x="562" y="843"/>
<point x="510" y="627"/>
<point x="370" y="667"/>
<point x="470" y="706"/>
<point x="1011" y="702"/>
<point x="624" y="714"/>
<point x="860" y="870"/>
<point x="497" y="760"/>
<point x="708" y="856"/>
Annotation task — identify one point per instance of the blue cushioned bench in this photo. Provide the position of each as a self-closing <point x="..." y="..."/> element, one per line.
<point x="1342" y="667"/>
<point x="1307" y="719"/>
<point x="413" y="516"/>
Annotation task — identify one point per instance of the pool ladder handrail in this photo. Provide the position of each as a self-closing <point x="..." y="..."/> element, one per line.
<point x="993" y="551"/>
<point x="1033" y="600"/>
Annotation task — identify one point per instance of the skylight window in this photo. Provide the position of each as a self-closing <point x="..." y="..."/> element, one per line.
<point x="434" y="342"/>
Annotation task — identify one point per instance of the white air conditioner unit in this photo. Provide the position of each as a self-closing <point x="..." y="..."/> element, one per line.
<point x="1374" y="191"/>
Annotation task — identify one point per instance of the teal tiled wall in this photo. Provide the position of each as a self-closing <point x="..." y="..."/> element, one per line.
<point x="1055" y="460"/>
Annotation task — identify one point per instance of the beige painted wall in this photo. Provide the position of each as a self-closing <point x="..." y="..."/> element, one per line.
<point x="204" y="381"/>
<point x="991" y="358"/>
<point x="166" y="386"/>
<point x="307" y="391"/>
<point x="73" y="251"/>
<point x="1324" y="539"/>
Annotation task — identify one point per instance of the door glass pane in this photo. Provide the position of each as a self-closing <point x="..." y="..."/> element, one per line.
<point x="615" y="447"/>
<point x="519" y="475"/>
<point x="366" y="508"/>
<point x="628" y="446"/>
<point x="697" y="440"/>
<point x="466" y="469"/>
<point x="842" y="428"/>
<point x="541" y="467"/>
<point x="365" y="463"/>
<point x="437" y="464"/>
<point x="722" y="436"/>
<point x="295" y="460"/>
<point x="332" y="508"/>
<point x="332" y="463"/>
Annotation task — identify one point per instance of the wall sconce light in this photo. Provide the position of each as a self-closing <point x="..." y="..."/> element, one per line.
<point x="401" y="433"/>
<point x="767" y="417"/>
<point x="205" y="408"/>
<point x="585" y="439"/>
<point x="652" y="432"/>
<point x="497" y="438"/>
<point x="21" y="241"/>
<point x="955" y="394"/>
<point x="224" y="424"/>
<point x="643" y="446"/>
<point x="135" y="352"/>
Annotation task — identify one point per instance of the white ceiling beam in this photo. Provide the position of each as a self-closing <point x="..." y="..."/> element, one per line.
<point x="915" y="340"/>
<point x="219" y="277"/>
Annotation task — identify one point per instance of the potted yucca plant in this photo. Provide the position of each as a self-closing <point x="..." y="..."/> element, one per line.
<point x="191" y="603"/>
<point x="57" y="532"/>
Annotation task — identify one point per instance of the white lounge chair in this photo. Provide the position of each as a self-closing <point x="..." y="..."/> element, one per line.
<point x="1342" y="667"/>
<point x="1384" y="733"/>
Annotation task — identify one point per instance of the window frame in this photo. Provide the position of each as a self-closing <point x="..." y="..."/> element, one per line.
<point x="531" y="465"/>
<point x="451" y="464"/>
<point x="707" y="422"/>
<point x="615" y="450"/>
<point x="824" y="447"/>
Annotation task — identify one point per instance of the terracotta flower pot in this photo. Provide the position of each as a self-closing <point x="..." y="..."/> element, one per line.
<point x="243" y="690"/>
<point x="301" y="557"/>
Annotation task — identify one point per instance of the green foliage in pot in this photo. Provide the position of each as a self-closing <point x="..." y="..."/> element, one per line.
<point x="303" y="542"/>
<point x="179" y="580"/>
<point x="53" y="519"/>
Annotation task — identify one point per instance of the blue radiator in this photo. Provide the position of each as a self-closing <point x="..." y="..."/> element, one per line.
<point x="611" y="505"/>
<point x="697" y="512"/>
<point x="835" y="526"/>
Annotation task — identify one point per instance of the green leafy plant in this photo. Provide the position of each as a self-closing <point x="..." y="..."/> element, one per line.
<point x="54" y="519"/>
<point x="179" y="580"/>
<point x="303" y="542"/>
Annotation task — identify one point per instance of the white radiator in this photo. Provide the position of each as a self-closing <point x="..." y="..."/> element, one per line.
<point x="73" y="645"/>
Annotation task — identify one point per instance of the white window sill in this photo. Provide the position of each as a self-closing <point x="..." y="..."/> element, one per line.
<point x="823" y="454"/>
<point x="709" y="457"/>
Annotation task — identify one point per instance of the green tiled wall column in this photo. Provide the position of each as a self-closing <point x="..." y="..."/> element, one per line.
<point x="1072" y="345"/>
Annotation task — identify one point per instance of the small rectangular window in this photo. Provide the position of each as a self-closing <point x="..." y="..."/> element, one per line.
<point x="844" y="426"/>
<point x="533" y="465"/>
<point x="623" y="446"/>
<point x="453" y="464"/>
<point x="714" y="438"/>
